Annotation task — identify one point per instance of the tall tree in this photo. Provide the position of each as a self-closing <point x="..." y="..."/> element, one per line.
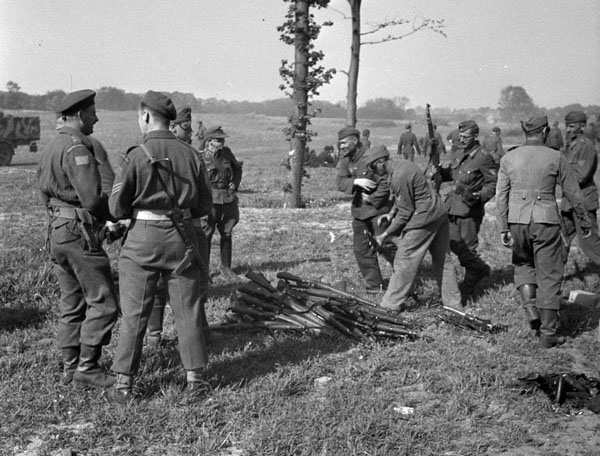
<point x="377" y="36"/>
<point x="304" y="77"/>
<point x="13" y="99"/>
<point x="515" y="103"/>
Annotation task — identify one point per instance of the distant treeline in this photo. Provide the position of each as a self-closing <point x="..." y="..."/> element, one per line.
<point x="114" y="99"/>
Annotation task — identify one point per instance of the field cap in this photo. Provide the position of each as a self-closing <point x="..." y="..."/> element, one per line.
<point x="468" y="125"/>
<point x="497" y="130"/>
<point x="183" y="115"/>
<point x="575" y="116"/>
<point x="535" y="122"/>
<point x="408" y="126"/>
<point x="160" y="103"/>
<point x="215" y="133"/>
<point x="348" y="131"/>
<point x="366" y="132"/>
<point x="375" y="153"/>
<point x="76" y="101"/>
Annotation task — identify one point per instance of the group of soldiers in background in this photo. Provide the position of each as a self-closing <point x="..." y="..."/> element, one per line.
<point x="396" y="201"/>
<point x="169" y="200"/>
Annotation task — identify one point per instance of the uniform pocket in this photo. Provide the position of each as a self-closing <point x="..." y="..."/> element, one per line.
<point x="64" y="231"/>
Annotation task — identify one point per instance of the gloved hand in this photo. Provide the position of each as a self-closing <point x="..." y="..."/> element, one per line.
<point x="365" y="184"/>
<point x="506" y="239"/>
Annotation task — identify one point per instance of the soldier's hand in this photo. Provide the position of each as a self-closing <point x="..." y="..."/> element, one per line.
<point x="381" y="239"/>
<point x="506" y="239"/>
<point x="385" y="219"/>
<point x="365" y="184"/>
<point x="586" y="233"/>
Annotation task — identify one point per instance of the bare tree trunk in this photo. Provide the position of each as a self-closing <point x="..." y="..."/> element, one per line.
<point x="301" y="99"/>
<point x="354" y="64"/>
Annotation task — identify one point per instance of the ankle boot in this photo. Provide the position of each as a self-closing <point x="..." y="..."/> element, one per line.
<point x="528" y="298"/>
<point x="70" y="357"/>
<point x="89" y="373"/>
<point x="549" y="328"/>
<point x="226" y="251"/>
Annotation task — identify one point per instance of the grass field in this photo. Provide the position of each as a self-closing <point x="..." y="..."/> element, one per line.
<point x="263" y="399"/>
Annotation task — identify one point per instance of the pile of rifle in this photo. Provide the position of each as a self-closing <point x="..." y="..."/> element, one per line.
<point x="298" y="304"/>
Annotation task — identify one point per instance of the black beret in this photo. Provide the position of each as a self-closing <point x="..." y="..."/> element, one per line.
<point x="575" y="116"/>
<point x="468" y="125"/>
<point x="348" y="131"/>
<point x="215" y="133"/>
<point x="76" y="101"/>
<point x="183" y="115"/>
<point x="375" y="153"/>
<point x="160" y="103"/>
<point x="535" y="122"/>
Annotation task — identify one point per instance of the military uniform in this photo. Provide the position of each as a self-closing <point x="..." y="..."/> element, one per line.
<point x="225" y="175"/>
<point x="492" y="144"/>
<point x="526" y="207"/>
<point x="364" y="213"/>
<point x="554" y="139"/>
<point x="473" y="172"/>
<point x="153" y="247"/>
<point x="408" y="144"/>
<point x="70" y="186"/>
<point x="420" y="225"/>
<point x="454" y="143"/>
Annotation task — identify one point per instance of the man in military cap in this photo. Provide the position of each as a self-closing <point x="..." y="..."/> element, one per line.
<point x="408" y="144"/>
<point x="455" y="144"/>
<point x="201" y="135"/>
<point x="366" y="142"/>
<point x="492" y="144"/>
<point x="554" y="139"/>
<point x="353" y="177"/>
<point x="583" y="159"/>
<point x="71" y="189"/>
<point x="181" y="128"/>
<point x="418" y="223"/>
<point x="225" y="174"/>
<point x="160" y="176"/>
<point x="473" y="173"/>
<point x="530" y="223"/>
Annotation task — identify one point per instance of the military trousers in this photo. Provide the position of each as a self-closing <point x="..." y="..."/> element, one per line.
<point x="366" y="257"/>
<point x="88" y="302"/>
<point x="412" y="246"/>
<point x="154" y="249"/>
<point x="537" y="256"/>
<point x="464" y="240"/>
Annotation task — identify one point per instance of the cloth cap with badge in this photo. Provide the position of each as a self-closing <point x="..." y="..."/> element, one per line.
<point x="160" y="103"/>
<point x="575" y="117"/>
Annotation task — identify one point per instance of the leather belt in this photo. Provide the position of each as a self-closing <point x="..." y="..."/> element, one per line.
<point x="156" y="214"/>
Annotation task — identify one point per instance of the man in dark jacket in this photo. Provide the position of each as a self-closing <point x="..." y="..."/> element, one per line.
<point x="408" y="144"/>
<point x="554" y="139"/>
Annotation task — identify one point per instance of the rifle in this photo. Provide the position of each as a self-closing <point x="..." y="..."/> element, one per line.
<point x="434" y="154"/>
<point x="466" y="321"/>
<point x="182" y="224"/>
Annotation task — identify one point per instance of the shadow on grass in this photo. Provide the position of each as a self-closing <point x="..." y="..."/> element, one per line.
<point x="576" y="319"/>
<point x="580" y="272"/>
<point x="21" y="318"/>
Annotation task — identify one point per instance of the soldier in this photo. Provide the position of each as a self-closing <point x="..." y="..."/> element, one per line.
<point x="492" y="144"/>
<point x="366" y="142"/>
<point x="160" y="175"/>
<point x="181" y="128"/>
<point x="419" y="223"/>
<point x="455" y="144"/>
<point x="370" y="200"/>
<point x="583" y="159"/>
<point x="70" y="186"/>
<point x="225" y="174"/>
<point x="474" y="174"/>
<point x="440" y="143"/>
<point x="201" y="135"/>
<point x="408" y="144"/>
<point x="555" y="137"/>
<point x="530" y="222"/>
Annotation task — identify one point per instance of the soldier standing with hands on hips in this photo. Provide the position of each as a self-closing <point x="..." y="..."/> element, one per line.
<point x="161" y="188"/>
<point x="225" y="175"/>
<point x="70" y="185"/>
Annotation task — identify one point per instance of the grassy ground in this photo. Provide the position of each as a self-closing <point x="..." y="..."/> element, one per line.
<point x="264" y="400"/>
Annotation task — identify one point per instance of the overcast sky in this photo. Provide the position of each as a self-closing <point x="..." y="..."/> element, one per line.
<point x="229" y="49"/>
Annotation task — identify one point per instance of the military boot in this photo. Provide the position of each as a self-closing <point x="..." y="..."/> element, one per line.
<point x="122" y="393"/>
<point x="528" y="299"/>
<point x="70" y="357"/>
<point x="549" y="328"/>
<point x="473" y="276"/>
<point x="226" y="253"/>
<point x="89" y="373"/>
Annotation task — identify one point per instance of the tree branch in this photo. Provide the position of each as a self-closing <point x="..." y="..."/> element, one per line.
<point x="435" y="25"/>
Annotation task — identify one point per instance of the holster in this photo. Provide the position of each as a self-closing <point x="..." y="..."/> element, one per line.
<point x="187" y="231"/>
<point x="89" y="228"/>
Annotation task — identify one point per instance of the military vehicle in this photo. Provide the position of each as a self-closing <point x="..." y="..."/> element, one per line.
<point x="17" y="131"/>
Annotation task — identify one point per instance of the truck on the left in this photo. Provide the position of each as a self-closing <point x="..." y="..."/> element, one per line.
<point x="17" y="131"/>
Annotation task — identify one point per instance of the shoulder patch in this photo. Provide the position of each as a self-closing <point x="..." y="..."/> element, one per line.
<point x="81" y="160"/>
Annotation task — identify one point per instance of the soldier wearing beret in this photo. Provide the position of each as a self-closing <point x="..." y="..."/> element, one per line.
<point x="418" y="223"/>
<point x="225" y="175"/>
<point x="160" y="174"/>
<point x="583" y="159"/>
<point x="529" y="222"/>
<point x="370" y="200"/>
<point x="181" y="128"/>
<point x="408" y="144"/>
<point x="555" y="137"/>
<point x="71" y="189"/>
<point x="473" y="173"/>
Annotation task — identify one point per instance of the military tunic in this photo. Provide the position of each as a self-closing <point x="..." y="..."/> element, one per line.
<point x="408" y="144"/>
<point x="526" y="205"/>
<point x="365" y="213"/>
<point x="69" y="181"/>
<point x="554" y="139"/>
<point x="420" y="226"/>
<point x="153" y="247"/>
